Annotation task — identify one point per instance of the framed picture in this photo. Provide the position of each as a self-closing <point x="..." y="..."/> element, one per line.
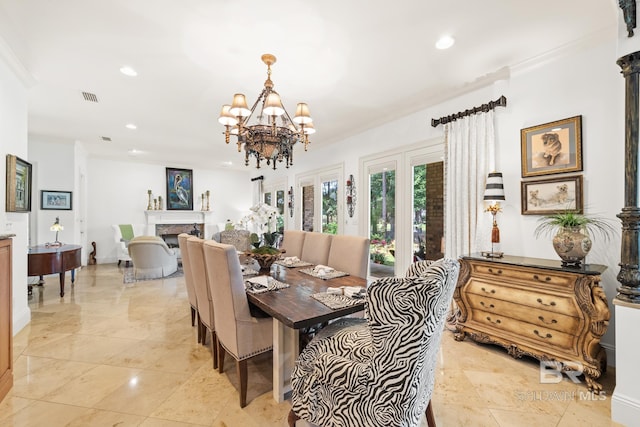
<point x="179" y="189"/>
<point x="18" y="185"/>
<point x="56" y="200"/>
<point x="550" y="148"/>
<point x="552" y="195"/>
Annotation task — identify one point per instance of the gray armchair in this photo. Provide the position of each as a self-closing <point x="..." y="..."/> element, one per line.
<point x="380" y="371"/>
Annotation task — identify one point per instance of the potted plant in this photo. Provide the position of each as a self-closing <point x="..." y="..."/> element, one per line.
<point x="263" y="218"/>
<point x="572" y="233"/>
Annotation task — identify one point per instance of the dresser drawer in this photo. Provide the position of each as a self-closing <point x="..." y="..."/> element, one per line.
<point x="548" y="319"/>
<point x="536" y="299"/>
<point x="523" y="274"/>
<point x="523" y="331"/>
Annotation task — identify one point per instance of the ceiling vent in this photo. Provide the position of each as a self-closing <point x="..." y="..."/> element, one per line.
<point x="105" y="138"/>
<point x="91" y="97"/>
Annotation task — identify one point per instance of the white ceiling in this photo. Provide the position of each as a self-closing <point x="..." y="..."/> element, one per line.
<point x="356" y="63"/>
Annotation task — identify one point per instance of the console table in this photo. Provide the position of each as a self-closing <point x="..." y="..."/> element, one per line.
<point x="44" y="259"/>
<point x="535" y="307"/>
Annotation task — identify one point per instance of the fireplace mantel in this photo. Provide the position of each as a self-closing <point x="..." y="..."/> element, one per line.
<point x="178" y="217"/>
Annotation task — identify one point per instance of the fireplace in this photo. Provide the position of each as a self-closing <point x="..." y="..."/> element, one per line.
<point x="169" y="232"/>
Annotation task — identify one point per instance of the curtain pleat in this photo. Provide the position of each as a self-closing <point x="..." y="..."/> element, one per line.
<point x="469" y="157"/>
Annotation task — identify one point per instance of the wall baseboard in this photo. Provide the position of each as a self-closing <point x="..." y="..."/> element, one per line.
<point x="624" y="410"/>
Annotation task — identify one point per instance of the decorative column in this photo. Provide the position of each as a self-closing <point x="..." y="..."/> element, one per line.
<point x="629" y="275"/>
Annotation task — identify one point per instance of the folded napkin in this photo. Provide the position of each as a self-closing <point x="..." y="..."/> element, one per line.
<point x="323" y="270"/>
<point x="259" y="284"/>
<point x="290" y="260"/>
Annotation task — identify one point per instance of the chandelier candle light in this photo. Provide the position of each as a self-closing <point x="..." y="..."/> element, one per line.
<point x="494" y="192"/>
<point x="272" y="136"/>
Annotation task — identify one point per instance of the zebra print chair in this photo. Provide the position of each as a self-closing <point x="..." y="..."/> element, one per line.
<point x="379" y="372"/>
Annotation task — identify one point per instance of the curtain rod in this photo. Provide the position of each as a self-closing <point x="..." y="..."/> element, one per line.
<point x="257" y="178"/>
<point x="500" y="102"/>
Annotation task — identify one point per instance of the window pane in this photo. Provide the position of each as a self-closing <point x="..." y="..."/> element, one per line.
<point x="428" y="211"/>
<point x="307" y="208"/>
<point x="382" y="190"/>
<point x="330" y="207"/>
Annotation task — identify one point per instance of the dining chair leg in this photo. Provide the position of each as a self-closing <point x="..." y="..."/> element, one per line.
<point x="193" y="316"/>
<point x="241" y="366"/>
<point x="431" y="420"/>
<point x="292" y="418"/>
<point x="199" y="327"/>
<point x="214" y="349"/>
<point x="220" y="357"/>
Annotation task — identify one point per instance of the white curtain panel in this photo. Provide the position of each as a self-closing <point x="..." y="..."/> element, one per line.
<point x="469" y="157"/>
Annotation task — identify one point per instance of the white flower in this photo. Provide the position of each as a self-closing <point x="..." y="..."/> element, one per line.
<point x="262" y="218"/>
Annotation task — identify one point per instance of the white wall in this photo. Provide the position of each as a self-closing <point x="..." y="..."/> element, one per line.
<point x="117" y="194"/>
<point x="584" y="81"/>
<point x="13" y="140"/>
<point x="54" y="170"/>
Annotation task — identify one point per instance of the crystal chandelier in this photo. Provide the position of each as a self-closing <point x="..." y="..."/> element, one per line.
<point x="273" y="134"/>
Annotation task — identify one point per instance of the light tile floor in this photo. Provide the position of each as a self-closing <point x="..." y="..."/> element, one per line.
<point x="115" y="354"/>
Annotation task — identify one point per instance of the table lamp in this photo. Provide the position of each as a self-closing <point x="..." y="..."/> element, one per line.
<point x="57" y="227"/>
<point x="494" y="193"/>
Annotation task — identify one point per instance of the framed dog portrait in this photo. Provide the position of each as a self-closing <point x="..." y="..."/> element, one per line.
<point x="551" y="148"/>
<point x="552" y="195"/>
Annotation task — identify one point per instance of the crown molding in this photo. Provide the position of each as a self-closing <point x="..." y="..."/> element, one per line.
<point x="9" y="57"/>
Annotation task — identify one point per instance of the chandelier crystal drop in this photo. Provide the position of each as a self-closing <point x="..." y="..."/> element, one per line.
<point x="272" y="134"/>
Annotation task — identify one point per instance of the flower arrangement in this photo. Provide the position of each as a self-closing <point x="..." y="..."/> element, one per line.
<point x="263" y="221"/>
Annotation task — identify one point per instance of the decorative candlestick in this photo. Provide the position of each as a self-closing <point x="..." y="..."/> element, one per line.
<point x="149" y="207"/>
<point x="160" y="202"/>
<point x="203" y="205"/>
<point x="208" y="193"/>
<point x="155" y="204"/>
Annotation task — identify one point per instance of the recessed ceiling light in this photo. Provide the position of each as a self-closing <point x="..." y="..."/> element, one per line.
<point x="131" y="126"/>
<point x="227" y="164"/>
<point x="128" y="71"/>
<point x="445" y="42"/>
<point x="134" y="152"/>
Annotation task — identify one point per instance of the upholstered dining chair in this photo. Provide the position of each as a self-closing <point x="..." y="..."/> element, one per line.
<point x="292" y="241"/>
<point x="378" y="372"/>
<point x="203" y="295"/>
<point x="239" y="333"/>
<point x="188" y="279"/>
<point x="315" y="248"/>
<point x="350" y="254"/>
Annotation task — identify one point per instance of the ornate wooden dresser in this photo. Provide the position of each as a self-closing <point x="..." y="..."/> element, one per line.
<point x="535" y="307"/>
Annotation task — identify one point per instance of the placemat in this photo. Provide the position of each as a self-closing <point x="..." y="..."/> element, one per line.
<point x="294" y="264"/>
<point x="336" y="302"/>
<point x="260" y="284"/>
<point x="331" y="275"/>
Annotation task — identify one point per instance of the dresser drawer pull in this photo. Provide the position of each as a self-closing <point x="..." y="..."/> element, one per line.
<point x="487" y="305"/>
<point x="551" y="304"/>
<point x="547" y="336"/>
<point x="492" y="291"/>
<point x="497" y="321"/>
<point x="546" y="279"/>
<point x="552" y="322"/>
<point x="494" y="272"/>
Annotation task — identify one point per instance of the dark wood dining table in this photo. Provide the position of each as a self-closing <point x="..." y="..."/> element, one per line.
<point x="294" y="308"/>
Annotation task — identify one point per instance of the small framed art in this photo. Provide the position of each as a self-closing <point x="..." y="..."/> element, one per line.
<point x="56" y="200"/>
<point x="179" y="189"/>
<point x="18" y="182"/>
<point x="552" y="195"/>
<point x="552" y="148"/>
